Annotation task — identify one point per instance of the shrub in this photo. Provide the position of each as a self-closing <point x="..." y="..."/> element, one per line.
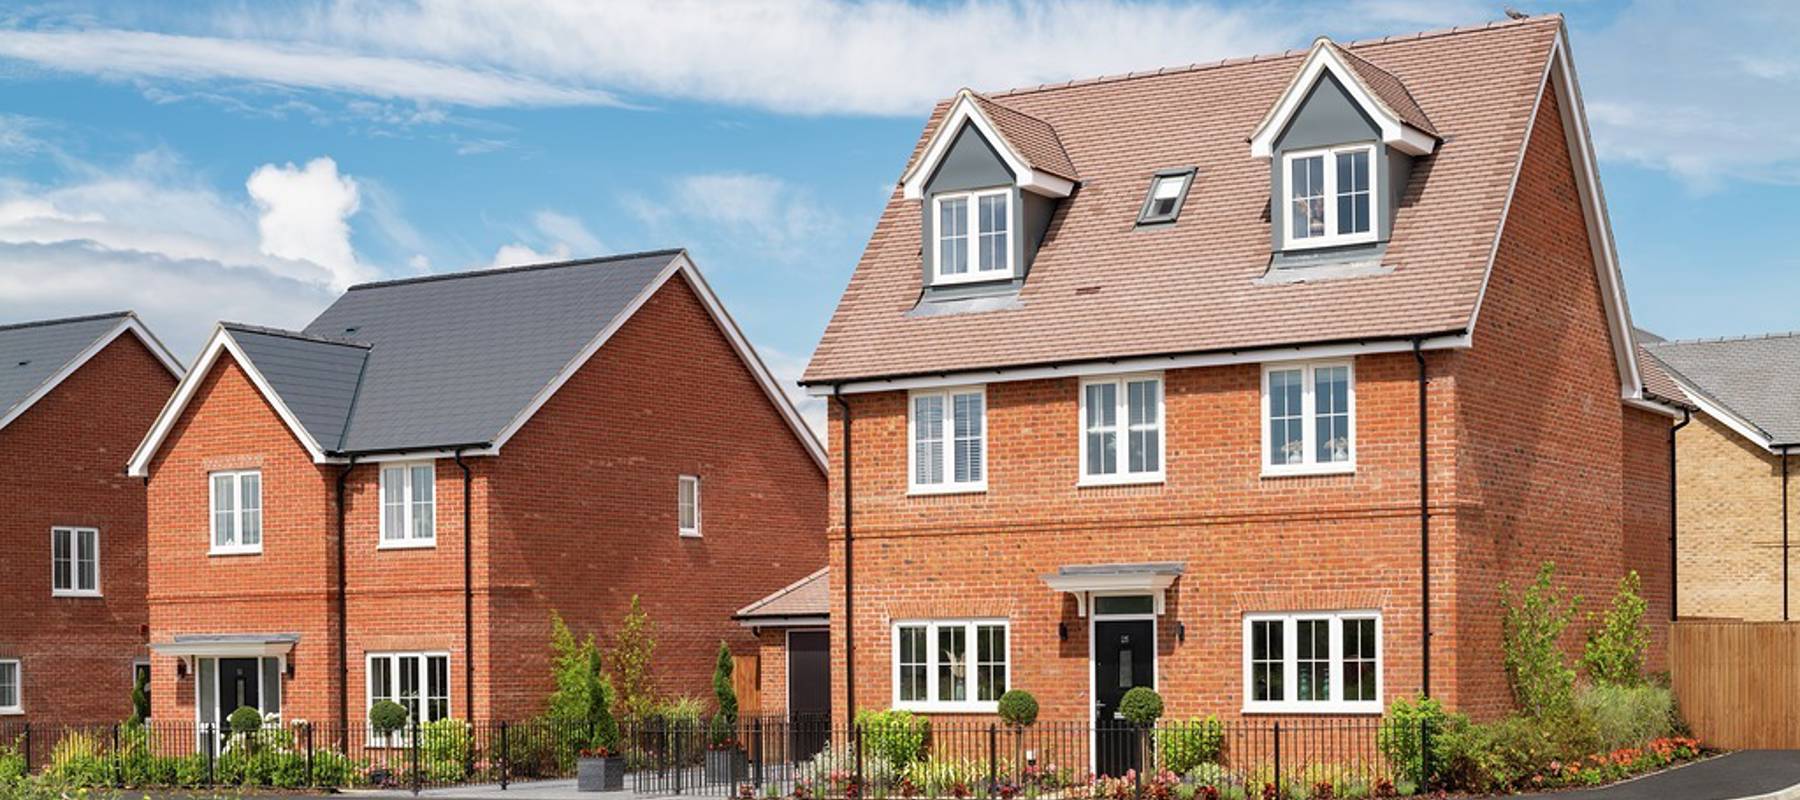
<point x="724" y="723"/>
<point x="1214" y="774"/>
<point x="1615" y="646"/>
<point x="12" y="762"/>
<point x="1543" y="685"/>
<point x="444" y="753"/>
<point x="682" y="711"/>
<point x="245" y="720"/>
<point x="78" y="759"/>
<point x="1186" y="745"/>
<point x="1141" y="706"/>
<point x="945" y="777"/>
<point x="581" y="706"/>
<point x="896" y="736"/>
<point x="1399" y="736"/>
<point x="386" y="717"/>
<point x="633" y="647"/>
<point x="1627" y="716"/>
<point x="1018" y="708"/>
<point x="140" y="697"/>
<point x="331" y="769"/>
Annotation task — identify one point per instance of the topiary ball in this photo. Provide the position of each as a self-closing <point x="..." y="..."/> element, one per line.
<point x="1141" y="706"/>
<point x="387" y="716"/>
<point x="1018" y="708"/>
<point x="244" y="720"/>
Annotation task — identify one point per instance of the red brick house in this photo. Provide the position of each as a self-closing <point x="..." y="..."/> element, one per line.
<point x="76" y="395"/>
<point x="390" y="503"/>
<point x="1250" y="381"/>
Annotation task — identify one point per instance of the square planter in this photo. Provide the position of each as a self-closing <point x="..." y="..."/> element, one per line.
<point x="726" y="766"/>
<point x="600" y="774"/>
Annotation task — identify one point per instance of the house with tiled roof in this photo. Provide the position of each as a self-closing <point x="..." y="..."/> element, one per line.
<point x="1251" y="381"/>
<point x="391" y="503"/>
<point x="76" y="395"/>
<point x="1736" y="494"/>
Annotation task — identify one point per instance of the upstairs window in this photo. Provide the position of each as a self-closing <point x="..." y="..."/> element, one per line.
<point x="1309" y="418"/>
<point x="236" y="512"/>
<point x="974" y="236"/>
<point x="75" y="562"/>
<point x="1167" y="192"/>
<point x="1330" y="196"/>
<point x="1121" y="430"/>
<point x="949" y="441"/>
<point x="408" y="510"/>
<point x="687" y="505"/>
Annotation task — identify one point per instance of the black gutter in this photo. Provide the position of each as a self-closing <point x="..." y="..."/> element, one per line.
<point x="1424" y="527"/>
<point x="468" y="597"/>
<point x="1784" y="533"/>
<point x="343" y="606"/>
<point x="849" y="568"/>
<point x="1674" y="565"/>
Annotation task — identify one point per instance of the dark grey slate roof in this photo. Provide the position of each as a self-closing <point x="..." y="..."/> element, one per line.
<point x="31" y="353"/>
<point x="444" y="360"/>
<point x="315" y="377"/>
<point x="1756" y="378"/>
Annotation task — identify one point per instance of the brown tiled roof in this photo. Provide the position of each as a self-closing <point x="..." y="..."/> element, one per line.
<point x="1102" y="288"/>
<point x="808" y="597"/>
<point x="1388" y="91"/>
<point x="1658" y="385"/>
<point x="1032" y="138"/>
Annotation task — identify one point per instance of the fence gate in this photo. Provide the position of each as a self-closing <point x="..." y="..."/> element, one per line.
<point x="1738" y="683"/>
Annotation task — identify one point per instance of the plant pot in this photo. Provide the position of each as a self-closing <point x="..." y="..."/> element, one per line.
<point x="600" y="774"/>
<point x="726" y="766"/>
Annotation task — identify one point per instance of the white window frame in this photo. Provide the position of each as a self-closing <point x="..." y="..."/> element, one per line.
<point x="1331" y="238"/>
<point x="949" y="485"/>
<point x="74" y="589"/>
<point x="931" y="704"/>
<point x="681" y="484"/>
<point x="1122" y="430"/>
<point x="237" y="509"/>
<point x="1309" y="464"/>
<point x="1290" y="665"/>
<point x="405" y="541"/>
<point x="973" y="208"/>
<point x="400" y="738"/>
<point x="18" y="670"/>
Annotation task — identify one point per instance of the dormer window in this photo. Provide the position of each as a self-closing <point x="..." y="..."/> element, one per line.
<point x="1330" y="196"/>
<point x="1167" y="192"/>
<point x="973" y="235"/>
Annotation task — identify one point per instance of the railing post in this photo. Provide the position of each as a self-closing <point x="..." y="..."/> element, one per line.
<point x="212" y="753"/>
<point x="756" y="736"/>
<point x="675" y="738"/>
<point x="414" y="753"/>
<point x="503" y="756"/>
<point x="309" y="754"/>
<point x="118" y="764"/>
<point x="1424" y="752"/>
<point x="27" y="748"/>
<point x="993" y="759"/>
<point x="1277" y="759"/>
<point x="856" y="735"/>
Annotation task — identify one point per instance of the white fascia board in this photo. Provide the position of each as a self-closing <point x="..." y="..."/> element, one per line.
<point x="220" y="342"/>
<point x="681" y="265"/>
<point x="1140" y="364"/>
<point x="1599" y="227"/>
<point x="1395" y="133"/>
<point x="814" y="621"/>
<point x="1654" y="406"/>
<point x="1737" y="424"/>
<point x="127" y="324"/>
<point x="965" y="109"/>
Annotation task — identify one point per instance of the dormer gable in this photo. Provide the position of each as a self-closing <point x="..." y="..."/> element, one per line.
<point x="1381" y="97"/>
<point x="1028" y="147"/>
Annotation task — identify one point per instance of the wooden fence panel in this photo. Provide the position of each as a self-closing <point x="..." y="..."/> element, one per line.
<point x="746" y="680"/>
<point x="1738" y="683"/>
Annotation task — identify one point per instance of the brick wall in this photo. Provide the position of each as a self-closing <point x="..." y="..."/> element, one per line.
<point x="1729" y="507"/>
<point x="63" y="463"/>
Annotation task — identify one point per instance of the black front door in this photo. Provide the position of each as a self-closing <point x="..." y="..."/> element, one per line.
<point x="809" y="691"/>
<point x="238" y="685"/>
<point x="1124" y="657"/>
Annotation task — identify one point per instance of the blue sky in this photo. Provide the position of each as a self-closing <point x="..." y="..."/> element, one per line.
<point x="246" y="161"/>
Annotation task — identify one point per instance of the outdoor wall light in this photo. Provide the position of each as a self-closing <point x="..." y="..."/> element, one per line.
<point x="1181" y="632"/>
<point x="181" y="668"/>
<point x="1062" y="631"/>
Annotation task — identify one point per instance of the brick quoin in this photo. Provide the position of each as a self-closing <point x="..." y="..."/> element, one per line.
<point x="1533" y="458"/>
<point x="63" y="463"/>
<point x="577" y="514"/>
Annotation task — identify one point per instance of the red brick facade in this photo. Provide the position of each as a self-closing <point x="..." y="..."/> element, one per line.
<point x="577" y="514"/>
<point x="1533" y="458"/>
<point x="62" y="462"/>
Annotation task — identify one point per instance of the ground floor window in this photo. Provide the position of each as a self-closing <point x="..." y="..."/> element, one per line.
<point x="419" y="682"/>
<point x="1314" y="661"/>
<point x="950" y="664"/>
<point x="12" y="687"/>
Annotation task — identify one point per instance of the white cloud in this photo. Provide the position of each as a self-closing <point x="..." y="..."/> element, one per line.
<point x="305" y="214"/>
<point x="519" y="253"/>
<point x="553" y="236"/>
<point x="568" y="230"/>
<point x="759" y="211"/>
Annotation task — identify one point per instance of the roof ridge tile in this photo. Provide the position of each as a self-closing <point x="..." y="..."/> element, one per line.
<point x="489" y="271"/>
<point x="290" y="334"/>
<point x="45" y="323"/>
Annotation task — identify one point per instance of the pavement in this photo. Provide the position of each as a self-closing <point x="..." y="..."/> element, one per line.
<point x="1743" y="775"/>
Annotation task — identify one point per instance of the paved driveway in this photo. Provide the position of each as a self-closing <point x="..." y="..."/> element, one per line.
<point x="1745" y="774"/>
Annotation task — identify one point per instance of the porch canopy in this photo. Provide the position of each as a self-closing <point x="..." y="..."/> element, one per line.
<point x="1087" y="580"/>
<point x="228" y="645"/>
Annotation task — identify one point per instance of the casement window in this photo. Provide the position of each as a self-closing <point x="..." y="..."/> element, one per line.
<point x="948" y="431"/>
<point x="974" y="235"/>
<point x="1122" y="430"/>
<point x="1330" y="196"/>
<point x="1325" y="662"/>
<point x="1309" y="418"/>
<point x="74" y="562"/>
<point x="236" y="512"/>
<point x="1168" y="190"/>
<point x="419" y="682"/>
<point x="687" y="505"/>
<point x="408" y="505"/>
<point x="950" y="664"/>
<point x="12" y="687"/>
